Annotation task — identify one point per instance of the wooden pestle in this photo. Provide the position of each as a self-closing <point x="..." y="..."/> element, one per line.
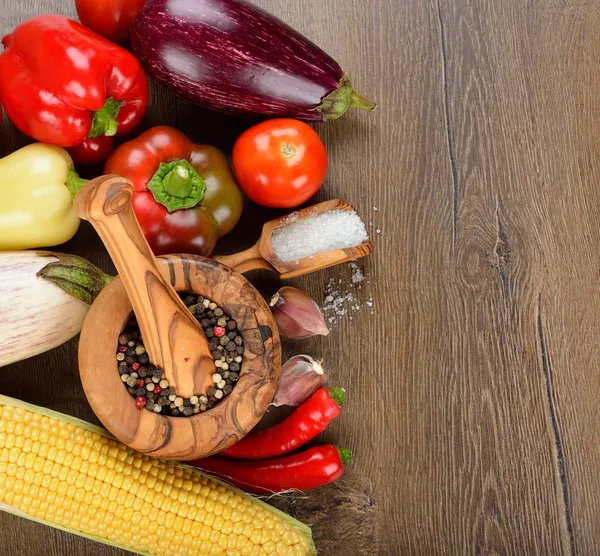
<point x="173" y="338"/>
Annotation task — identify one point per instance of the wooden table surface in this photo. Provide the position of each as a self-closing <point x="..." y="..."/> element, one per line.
<point x="473" y="389"/>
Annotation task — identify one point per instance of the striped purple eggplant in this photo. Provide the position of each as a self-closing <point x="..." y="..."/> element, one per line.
<point x="231" y="56"/>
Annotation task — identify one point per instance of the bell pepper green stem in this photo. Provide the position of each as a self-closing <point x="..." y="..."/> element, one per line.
<point x="104" y="121"/>
<point x="176" y="185"/>
<point x="76" y="276"/>
<point x="74" y="183"/>
<point x="345" y="455"/>
<point x="337" y="395"/>
<point x="178" y="182"/>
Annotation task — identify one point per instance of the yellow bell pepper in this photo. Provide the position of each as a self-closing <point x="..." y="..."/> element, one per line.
<point x="37" y="185"/>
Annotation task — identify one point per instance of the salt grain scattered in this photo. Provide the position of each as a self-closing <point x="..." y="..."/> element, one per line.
<point x="340" y="300"/>
<point x="334" y="229"/>
<point x="357" y="275"/>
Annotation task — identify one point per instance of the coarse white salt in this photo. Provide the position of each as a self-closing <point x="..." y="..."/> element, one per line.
<point x="357" y="275"/>
<point x="334" y="229"/>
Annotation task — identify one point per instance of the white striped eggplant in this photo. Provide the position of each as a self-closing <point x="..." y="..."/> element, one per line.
<point x="230" y="56"/>
<point x="44" y="298"/>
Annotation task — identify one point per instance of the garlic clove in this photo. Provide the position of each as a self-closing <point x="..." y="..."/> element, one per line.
<point x="300" y="377"/>
<point x="297" y="315"/>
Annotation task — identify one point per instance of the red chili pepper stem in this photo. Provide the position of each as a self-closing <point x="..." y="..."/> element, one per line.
<point x="104" y="121"/>
<point x="338" y="395"/>
<point x="345" y="455"/>
<point x="74" y="183"/>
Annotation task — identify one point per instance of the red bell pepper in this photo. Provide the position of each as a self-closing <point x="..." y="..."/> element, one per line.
<point x="302" y="471"/>
<point x="185" y="196"/>
<point x="63" y="84"/>
<point x="310" y="419"/>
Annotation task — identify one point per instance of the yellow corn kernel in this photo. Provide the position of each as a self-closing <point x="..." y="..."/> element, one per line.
<point x="270" y="547"/>
<point x="246" y="549"/>
<point x="238" y="527"/>
<point x="227" y="527"/>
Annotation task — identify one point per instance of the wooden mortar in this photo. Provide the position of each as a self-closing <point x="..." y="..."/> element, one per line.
<point x="172" y="337"/>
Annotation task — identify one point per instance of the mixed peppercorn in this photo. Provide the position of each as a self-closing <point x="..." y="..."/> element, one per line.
<point x="147" y="383"/>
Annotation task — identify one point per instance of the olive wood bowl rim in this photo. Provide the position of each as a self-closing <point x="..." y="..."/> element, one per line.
<point x="264" y="382"/>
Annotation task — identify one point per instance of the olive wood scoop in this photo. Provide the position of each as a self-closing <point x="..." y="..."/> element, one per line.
<point x="172" y="337"/>
<point x="262" y="255"/>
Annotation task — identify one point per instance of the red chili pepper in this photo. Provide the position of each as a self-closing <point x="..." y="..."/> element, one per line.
<point x="302" y="471"/>
<point x="63" y="84"/>
<point x="310" y="419"/>
<point x="185" y="196"/>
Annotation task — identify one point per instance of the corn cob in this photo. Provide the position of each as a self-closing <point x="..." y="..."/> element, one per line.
<point x="71" y="475"/>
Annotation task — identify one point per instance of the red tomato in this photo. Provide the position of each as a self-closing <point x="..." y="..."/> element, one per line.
<point x="92" y="151"/>
<point x="280" y="163"/>
<point x="111" y="19"/>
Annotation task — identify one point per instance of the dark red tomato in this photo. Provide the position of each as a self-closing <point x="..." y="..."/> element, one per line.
<point x="92" y="151"/>
<point x="280" y="163"/>
<point x="111" y="19"/>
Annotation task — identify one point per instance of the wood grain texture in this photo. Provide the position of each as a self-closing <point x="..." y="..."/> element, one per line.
<point x="206" y="433"/>
<point x="472" y="406"/>
<point x="262" y="256"/>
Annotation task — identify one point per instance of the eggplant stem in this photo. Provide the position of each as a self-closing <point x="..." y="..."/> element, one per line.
<point x="336" y="103"/>
<point x="363" y="103"/>
<point x="76" y="276"/>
